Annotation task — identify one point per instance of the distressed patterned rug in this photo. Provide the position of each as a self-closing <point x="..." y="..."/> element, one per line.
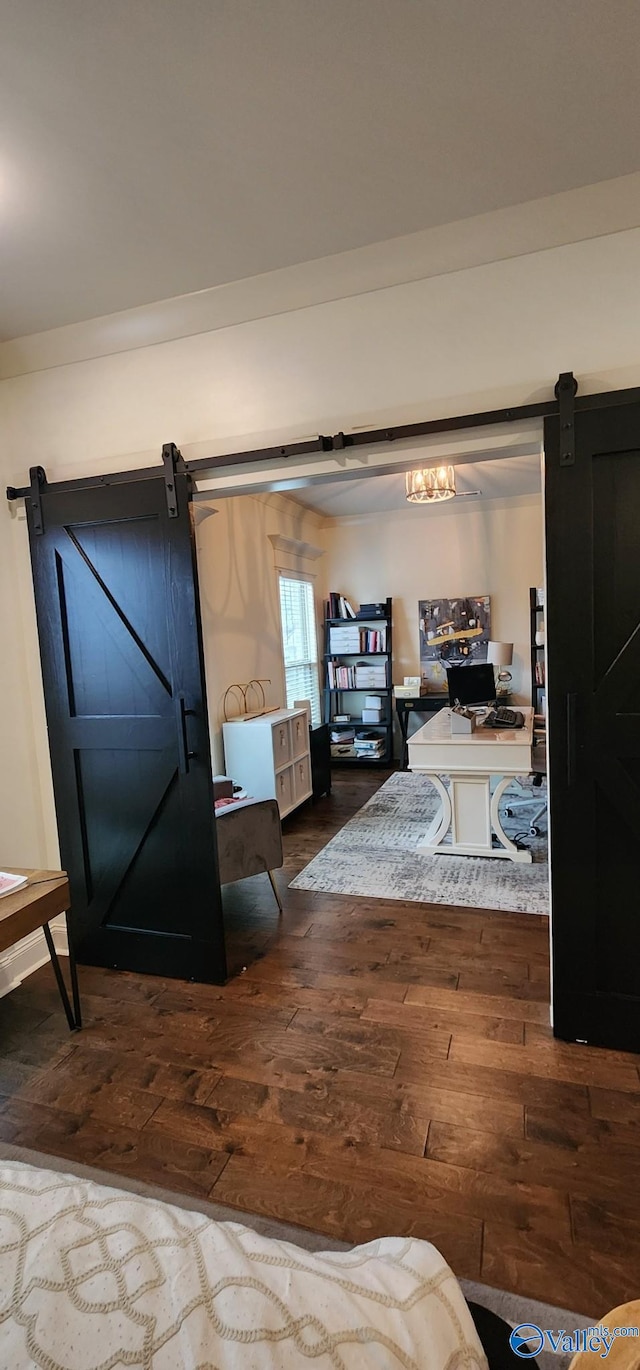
<point x="374" y="855"/>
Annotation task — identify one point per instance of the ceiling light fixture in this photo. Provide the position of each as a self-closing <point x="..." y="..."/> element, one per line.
<point x="427" y="487"/>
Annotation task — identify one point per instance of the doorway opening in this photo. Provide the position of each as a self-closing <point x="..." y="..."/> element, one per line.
<point x="357" y="534"/>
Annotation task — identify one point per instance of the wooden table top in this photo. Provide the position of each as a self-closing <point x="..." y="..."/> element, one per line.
<point x="44" y="896"/>
<point x="438" y="730"/>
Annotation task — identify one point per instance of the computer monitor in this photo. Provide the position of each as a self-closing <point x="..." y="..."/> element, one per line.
<point x="471" y="684"/>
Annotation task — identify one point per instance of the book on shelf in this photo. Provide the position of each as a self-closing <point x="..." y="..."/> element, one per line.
<point x="372" y="611"/>
<point x="339" y="606"/>
<point x="361" y="676"/>
<point x="369" y="745"/>
<point x="354" y="639"/>
<point x="341" y="677"/>
<point x="540" y="673"/>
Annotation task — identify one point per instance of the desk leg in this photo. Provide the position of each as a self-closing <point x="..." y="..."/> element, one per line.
<point x="74" y="1018"/>
<point x="403" y="720"/>
<point x="441" y="822"/>
<point x="515" y="853"/>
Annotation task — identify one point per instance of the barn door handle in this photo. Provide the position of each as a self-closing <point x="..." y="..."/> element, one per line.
<point x="572" y="738"/>
<point x="184" y="755"/>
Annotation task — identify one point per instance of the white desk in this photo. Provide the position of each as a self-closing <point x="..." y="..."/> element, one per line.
<point x="468" y="809"/>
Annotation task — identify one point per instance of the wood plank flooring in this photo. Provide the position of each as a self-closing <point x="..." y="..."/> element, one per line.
<point x="372" y="1067"/>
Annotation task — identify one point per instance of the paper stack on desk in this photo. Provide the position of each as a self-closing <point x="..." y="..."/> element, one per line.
<point x="9" y="882"/>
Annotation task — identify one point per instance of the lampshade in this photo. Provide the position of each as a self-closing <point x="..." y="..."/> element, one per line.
<point x="500" y="653"/>
<point x="425" y="487"/>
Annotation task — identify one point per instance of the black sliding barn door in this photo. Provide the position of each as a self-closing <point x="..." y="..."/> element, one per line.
<point x="117" y="609"/>
<point x="593" y="650"/>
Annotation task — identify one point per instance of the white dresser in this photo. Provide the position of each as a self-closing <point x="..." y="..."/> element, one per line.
<point x="270" y="756"/>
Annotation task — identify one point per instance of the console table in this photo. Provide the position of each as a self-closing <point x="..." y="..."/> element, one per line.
<point x="45" y="895"/>
<point x="418" y="704"/>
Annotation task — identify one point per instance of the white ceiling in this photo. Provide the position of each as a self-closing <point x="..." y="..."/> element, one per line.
<point x="347" y="498"/>
<point x="155" y="147"/>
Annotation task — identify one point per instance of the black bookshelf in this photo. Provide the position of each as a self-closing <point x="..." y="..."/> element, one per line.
<point x="538" y="655"/>
<point x="350" y="700"/>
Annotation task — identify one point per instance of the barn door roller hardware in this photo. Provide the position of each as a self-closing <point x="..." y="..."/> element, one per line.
<point x="172" y="462"/>
<point x="38" y="478"/>
<point x="565" y="393"/>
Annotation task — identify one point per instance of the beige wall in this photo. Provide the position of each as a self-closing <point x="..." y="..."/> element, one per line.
<point x="491" y="547"/>
<point x="27" y="830"/>
<point x="239" y="593"/>
<point x="496" y="333"/>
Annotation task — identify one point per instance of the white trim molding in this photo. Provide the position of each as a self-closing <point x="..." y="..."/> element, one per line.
<point x="28" y="955"/>
<point x="570" y="216"/>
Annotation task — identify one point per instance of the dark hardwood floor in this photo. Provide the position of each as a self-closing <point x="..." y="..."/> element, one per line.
<point x="372" y="1067"/>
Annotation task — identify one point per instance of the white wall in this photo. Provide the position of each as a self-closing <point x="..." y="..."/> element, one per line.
<point x="492" y="334"/>
<point x="490" y="547"/>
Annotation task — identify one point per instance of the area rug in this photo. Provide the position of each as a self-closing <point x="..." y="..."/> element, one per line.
<point x="375" y="856"/>
<point x="514" y="1308"/>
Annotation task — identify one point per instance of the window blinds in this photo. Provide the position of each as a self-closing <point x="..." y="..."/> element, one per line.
<point x="299" y="643"/>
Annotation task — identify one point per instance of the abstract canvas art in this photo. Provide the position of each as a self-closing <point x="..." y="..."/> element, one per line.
<point x="453" y="632"/>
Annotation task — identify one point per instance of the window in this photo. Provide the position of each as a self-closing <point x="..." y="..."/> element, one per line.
<point x="300" y="644"/>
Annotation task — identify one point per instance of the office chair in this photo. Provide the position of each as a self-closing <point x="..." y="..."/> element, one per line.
<point x="539" y="773"/>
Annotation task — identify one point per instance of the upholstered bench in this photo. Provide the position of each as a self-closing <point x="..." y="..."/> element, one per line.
<point x="249" y="841"/>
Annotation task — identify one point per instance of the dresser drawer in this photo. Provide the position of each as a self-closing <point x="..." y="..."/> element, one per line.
<point x="301" y="779"/>
<point x="285" y="790"/>
<point x="281" y="733"/>
<point x="299" y="735"/>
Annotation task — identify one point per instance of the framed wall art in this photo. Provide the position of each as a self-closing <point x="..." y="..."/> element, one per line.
<point x="453" y="632"/>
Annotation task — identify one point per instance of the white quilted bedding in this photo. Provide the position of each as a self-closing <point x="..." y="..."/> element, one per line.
<point x="93" y="1278"/>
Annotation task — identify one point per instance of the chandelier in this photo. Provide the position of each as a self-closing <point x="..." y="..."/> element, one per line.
<point x="425" y="487"/>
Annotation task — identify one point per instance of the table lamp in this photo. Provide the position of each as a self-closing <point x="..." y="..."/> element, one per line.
<point x="500" y="654"/>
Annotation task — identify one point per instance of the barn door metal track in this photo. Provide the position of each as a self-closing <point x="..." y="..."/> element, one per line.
<point x="564" y="403"/>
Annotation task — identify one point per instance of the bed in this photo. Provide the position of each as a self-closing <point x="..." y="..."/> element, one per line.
<point x="94" y="1278"/>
